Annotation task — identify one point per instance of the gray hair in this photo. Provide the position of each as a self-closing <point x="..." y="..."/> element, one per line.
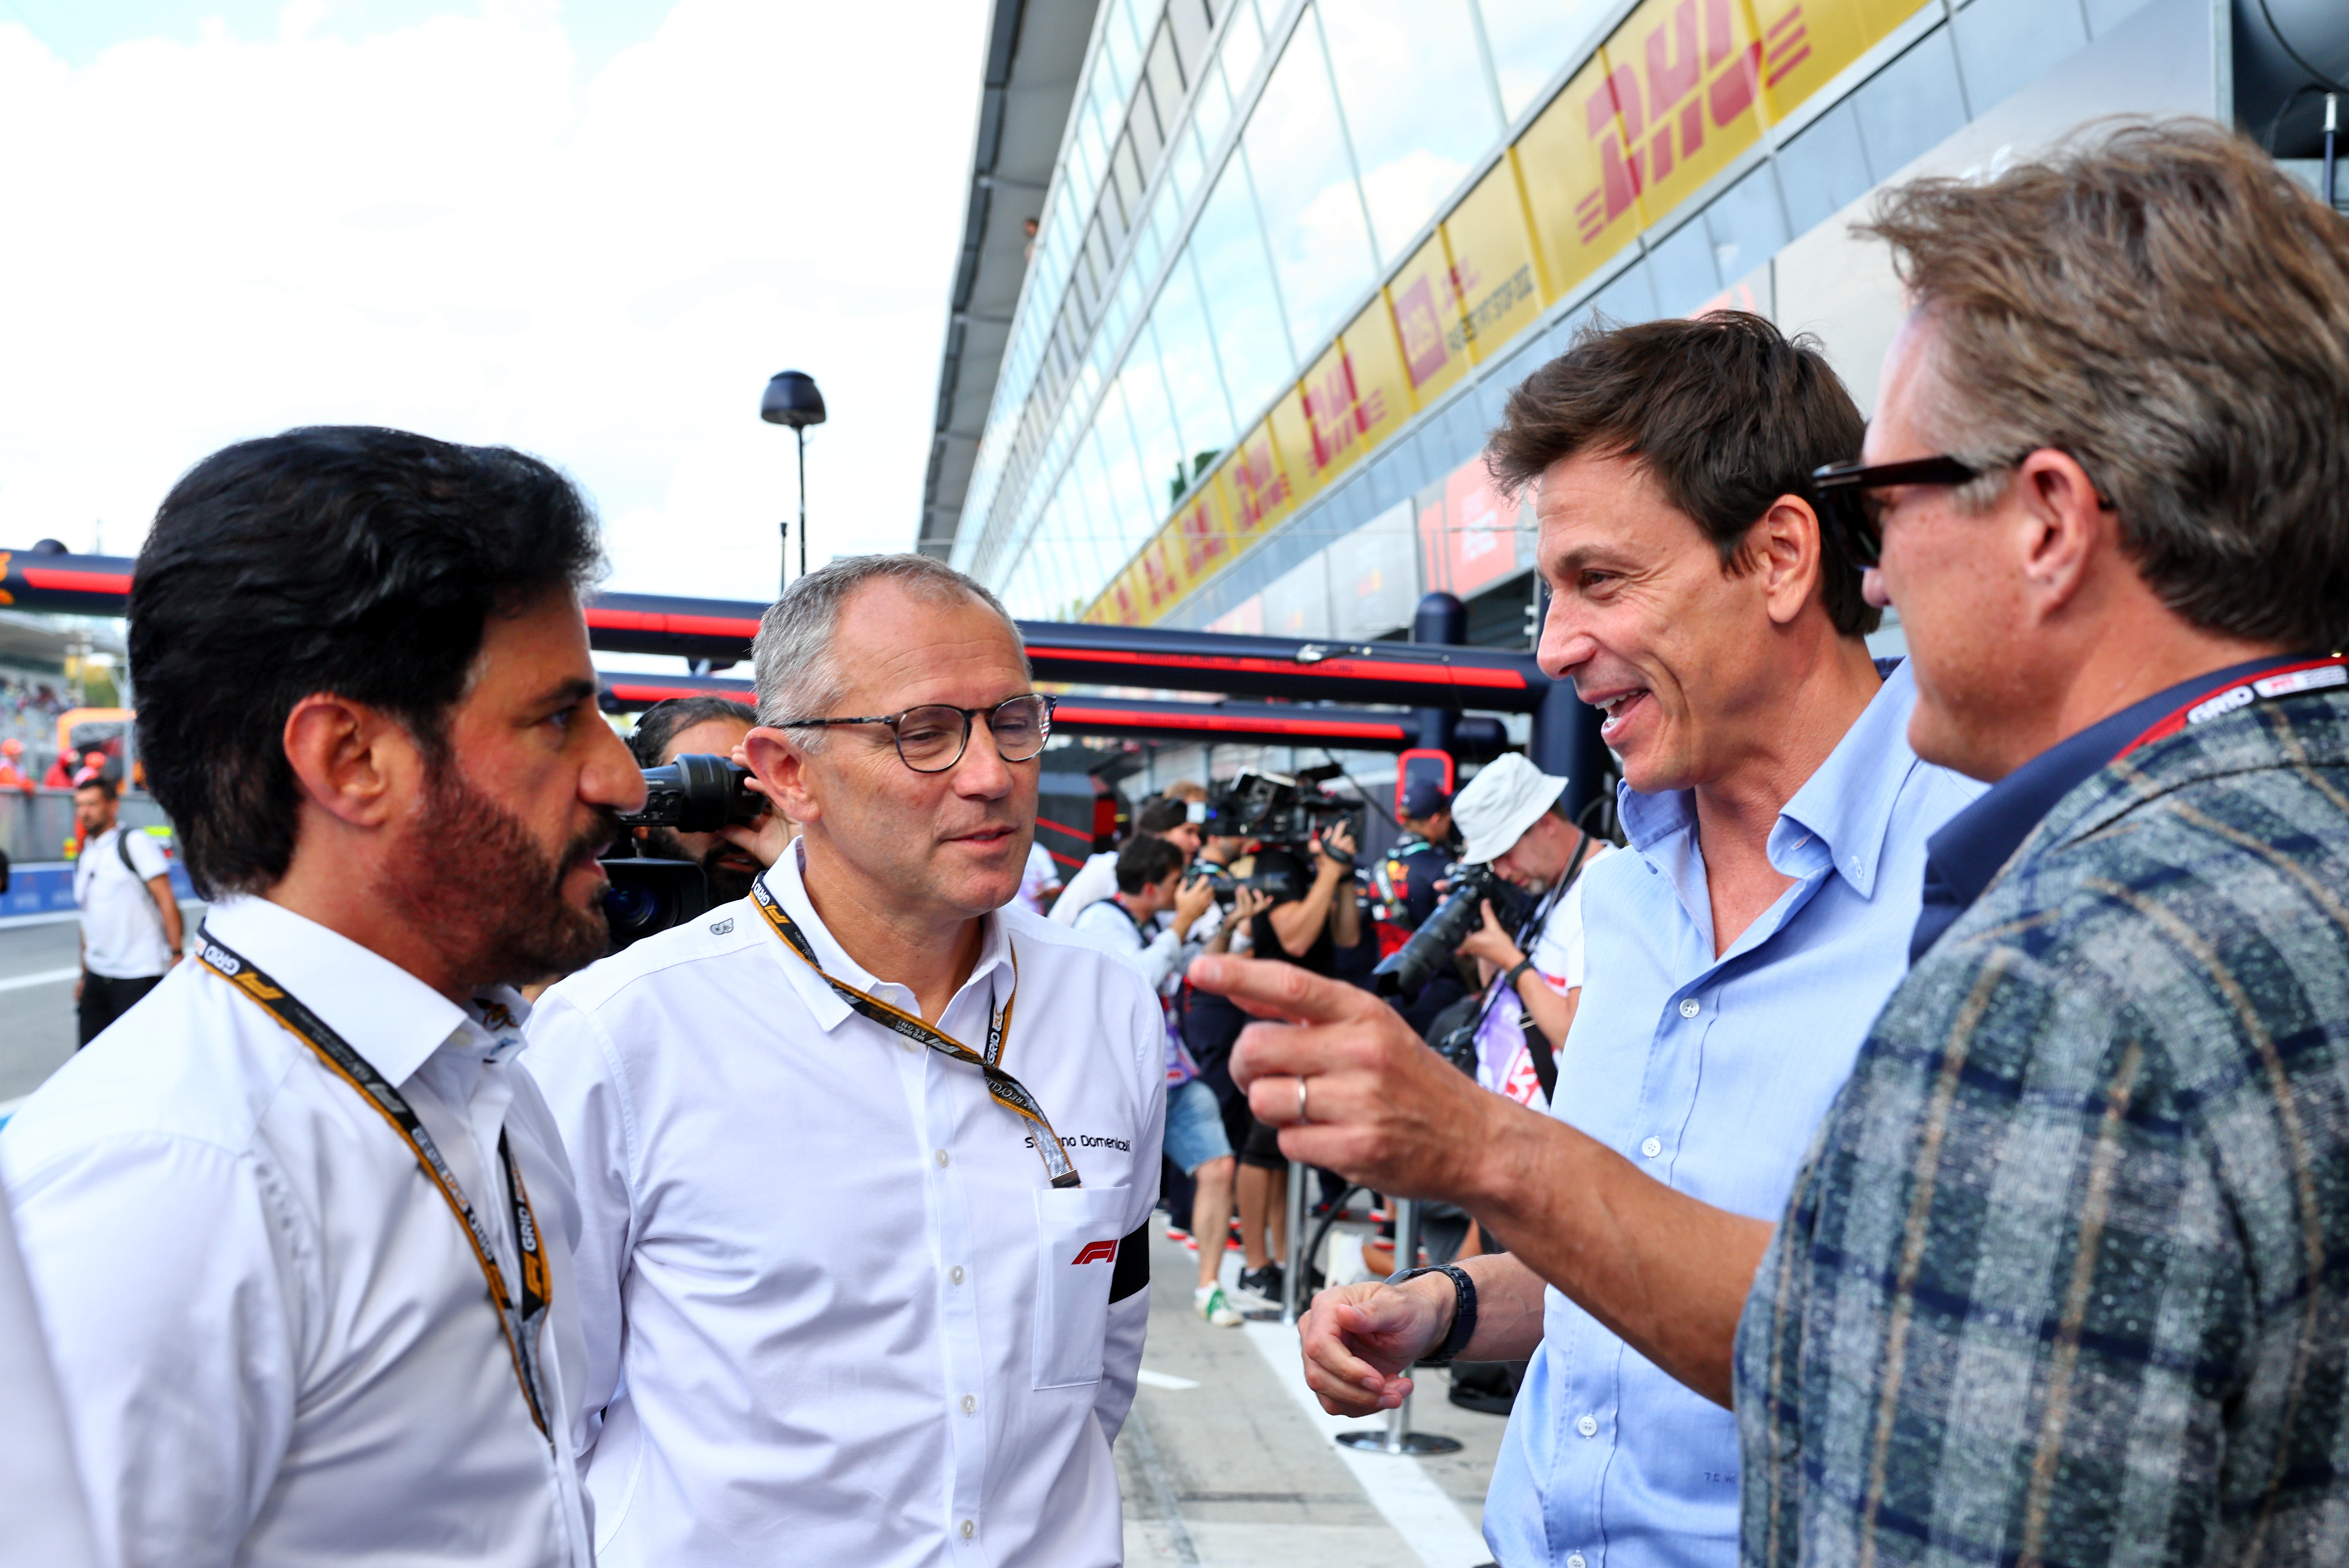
<point x="2164" y="304"/>
<point x="792" y="666"/>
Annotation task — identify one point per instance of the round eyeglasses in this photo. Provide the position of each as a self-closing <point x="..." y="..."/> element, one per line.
<point x="932" y="738"/>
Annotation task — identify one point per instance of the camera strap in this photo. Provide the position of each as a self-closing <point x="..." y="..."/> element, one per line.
<point x="1007" y="1091"/>
<point x="521" y="1320"/>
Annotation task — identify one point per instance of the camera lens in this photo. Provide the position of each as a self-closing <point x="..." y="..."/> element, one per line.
<point x="634" y="911"/>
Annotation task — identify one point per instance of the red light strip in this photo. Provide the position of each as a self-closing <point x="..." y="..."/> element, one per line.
<point x="1357" y="668"/>
<point x="1348" y="729"/>
<point x="60" y="581"/>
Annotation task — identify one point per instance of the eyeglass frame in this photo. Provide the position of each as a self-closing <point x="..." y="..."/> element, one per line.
<point x="967" y="714"/>
<point x="1839" y="491"/>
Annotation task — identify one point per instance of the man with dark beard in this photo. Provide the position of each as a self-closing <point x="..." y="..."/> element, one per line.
<point x="731" y="858"/>
<point x="298" y="1226"/>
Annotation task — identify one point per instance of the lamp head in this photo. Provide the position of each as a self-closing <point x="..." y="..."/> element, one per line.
<point x="792" y="399"/>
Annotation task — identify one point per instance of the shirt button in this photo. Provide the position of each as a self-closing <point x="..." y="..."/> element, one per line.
<point x="954" y="1274"/>
<point x="969" y="1528"/>
<point x="1650" y="1148"/>
<point x="970" y="1403"/>
<point x="941" y="1156"/>
<point x="1690" y="1008"/>
<point x="1587" y="1425"/>
<point x="1576" y="1561"/>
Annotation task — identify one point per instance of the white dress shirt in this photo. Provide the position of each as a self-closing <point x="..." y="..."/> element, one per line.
<point x="44" y="1522"/>
<point x="835" y="1313"/>
<point x="1095" y="881"/>
<point x="121" y="927"/>
<point x="275" y="1344"/>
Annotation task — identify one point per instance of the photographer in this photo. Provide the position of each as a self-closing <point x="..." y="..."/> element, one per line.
<point x="731" y="858"/>
<point x="1309" y="921"/>
<point x="1149" y="884"/>
<point x="1161" y="816"/>
<point x="1514" y="821"/>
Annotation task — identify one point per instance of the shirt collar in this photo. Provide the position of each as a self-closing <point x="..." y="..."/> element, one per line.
<point x="786" y="879"/>
<point x="387" y="1015"/>
<point x="1838" y="818"/>
<point x="1971" y="846"/>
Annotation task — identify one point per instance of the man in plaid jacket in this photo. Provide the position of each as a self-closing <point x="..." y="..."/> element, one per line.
<point x="2066" y="1277"/>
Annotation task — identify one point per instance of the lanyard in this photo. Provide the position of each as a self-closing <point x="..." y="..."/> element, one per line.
<point x="521" y="1322"/>
<point x="2289" y="681"/>
<point x="1007" y="1091"/>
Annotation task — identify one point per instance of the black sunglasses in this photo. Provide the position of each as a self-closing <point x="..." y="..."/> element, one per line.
<point x="1845" y="495"/>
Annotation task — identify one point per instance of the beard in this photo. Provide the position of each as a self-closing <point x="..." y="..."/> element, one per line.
<point x="727" y="881"/>
<point x="472" y="874"/>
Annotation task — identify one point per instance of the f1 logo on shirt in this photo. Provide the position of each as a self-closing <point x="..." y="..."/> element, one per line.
<point x="1094" y="1252"/>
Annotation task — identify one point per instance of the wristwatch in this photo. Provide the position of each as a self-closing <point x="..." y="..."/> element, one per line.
<point x="1463" y="1310"/>
<point x="1515" y="970"/>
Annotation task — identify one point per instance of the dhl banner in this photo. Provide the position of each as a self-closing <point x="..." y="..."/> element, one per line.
<point x="1669" y="98"/>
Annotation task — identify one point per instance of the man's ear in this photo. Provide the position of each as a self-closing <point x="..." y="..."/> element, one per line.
<point x="2062" y="526"/>
<point x="780" y="766"/>
<point x="1783" y="548"/>
<point x="350" y="760"/>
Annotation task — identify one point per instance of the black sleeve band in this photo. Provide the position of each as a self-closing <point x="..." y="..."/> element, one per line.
<point x="1131" y="1273"/>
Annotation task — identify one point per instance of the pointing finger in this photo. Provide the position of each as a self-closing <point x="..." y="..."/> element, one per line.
<point x="1270" y="989"/>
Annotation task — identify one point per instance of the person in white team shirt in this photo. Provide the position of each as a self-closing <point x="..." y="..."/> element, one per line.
<point x="850" y="1298"/>
<point x="297" y="1226"/>
<point x="1512" y="818"/>
<point x="130" y="933"/>
<point x="1040" y="883"/>
<point x="1162" y="816"/>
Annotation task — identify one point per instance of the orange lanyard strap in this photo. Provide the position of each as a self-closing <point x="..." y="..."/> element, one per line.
<point x="521" y="1321"/>
<point x="1007" y="1091"/>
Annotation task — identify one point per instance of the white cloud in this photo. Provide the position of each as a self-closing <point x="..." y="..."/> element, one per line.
<point x="455" y="228"/>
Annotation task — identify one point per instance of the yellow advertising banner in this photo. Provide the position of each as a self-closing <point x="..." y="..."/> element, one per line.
<point x="1292" y="445"/>
<point x="1260" y="493"/>
<point x="1356" y="393"/>
<point x="1493" y="260"/>
<point x="1427" y="320"/>
<point x="1576" y="167"/>
<point x="1687" y="87"/>
<point x="1806" y="42"/>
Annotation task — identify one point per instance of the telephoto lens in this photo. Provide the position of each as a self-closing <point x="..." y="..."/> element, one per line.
<point x="1404" y="972"/>
<point x="698" y="793"/>
<point x="649" y="896"/>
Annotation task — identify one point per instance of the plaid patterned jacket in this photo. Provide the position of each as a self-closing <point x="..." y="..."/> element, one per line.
<point x="2065" y="1278"/>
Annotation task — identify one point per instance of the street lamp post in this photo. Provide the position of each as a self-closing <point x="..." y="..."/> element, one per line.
<point x="792" y="399"/>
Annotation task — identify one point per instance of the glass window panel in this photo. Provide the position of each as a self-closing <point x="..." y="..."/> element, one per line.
<point x="1242" y="309"/>
<point x="1191" y="24"/>
<point x="1165" y="78"/>
<point x="1395" y="61"/>
<point x="1149" y="243"/>
<point x="1187" y="166"/>
<point x="1144" y="126"/>
<point x="1305" y="190"/>
<point x="1092" y="522"/>
<point x="1129" y="492"/>
<point x="1211" y="106"/>
<point x="1243" y="45"/>
<point x="1531" y="40"/>
<point x="1746" y="225"/>
<point x="1187" y="358"/>
<point x="1121" y="50"/>
<point x="1157" y="440"/>
<point x="1122" y="307"/>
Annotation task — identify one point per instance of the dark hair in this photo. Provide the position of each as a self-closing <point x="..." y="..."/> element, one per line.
<point x="662" y="722"/>
<point x="102" y="783"/>
<point x="1162" y="814"/>
<point x="1724" y="412"/>
<point x="2179" y="322"/>
<point x="343" y="559"/>
<point x="1146" y="859"/>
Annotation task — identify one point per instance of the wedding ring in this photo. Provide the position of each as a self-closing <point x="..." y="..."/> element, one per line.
<point x="1301" y="1117"/>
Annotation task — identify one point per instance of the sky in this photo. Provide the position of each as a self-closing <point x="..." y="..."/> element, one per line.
<point x="590" y="229"/>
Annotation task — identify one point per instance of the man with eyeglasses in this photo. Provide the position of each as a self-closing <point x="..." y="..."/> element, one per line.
<point x="865" y="1161"/>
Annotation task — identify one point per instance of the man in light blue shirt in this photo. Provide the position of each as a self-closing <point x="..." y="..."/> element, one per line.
<point x="1777" y="822"/>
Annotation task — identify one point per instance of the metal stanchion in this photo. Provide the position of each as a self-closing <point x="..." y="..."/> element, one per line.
<point x="1293" y="1297"/>
<point x="1398" y="1438"/>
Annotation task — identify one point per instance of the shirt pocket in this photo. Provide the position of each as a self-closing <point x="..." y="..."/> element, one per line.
<point x="1077" y="1233"/>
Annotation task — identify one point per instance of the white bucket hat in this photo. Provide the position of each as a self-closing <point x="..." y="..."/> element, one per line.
<point x="1496" y="806"/>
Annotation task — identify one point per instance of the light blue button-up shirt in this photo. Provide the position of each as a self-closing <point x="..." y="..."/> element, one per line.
<point x="1709" y="1074"/>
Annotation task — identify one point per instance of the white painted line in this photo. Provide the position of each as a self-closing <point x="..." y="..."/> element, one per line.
<point x="54" y="918"/>
<point x="1150" y="1379"/>
<point x="46" y="977"/>
<point x="1420" y="1511"/>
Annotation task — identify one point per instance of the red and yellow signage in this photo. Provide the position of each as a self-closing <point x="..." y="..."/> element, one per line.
<point x="1676" y="93"/>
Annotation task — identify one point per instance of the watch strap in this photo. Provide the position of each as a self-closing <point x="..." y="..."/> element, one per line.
<point x="1463" y="1310"/>
<point x="1516" y="972"/>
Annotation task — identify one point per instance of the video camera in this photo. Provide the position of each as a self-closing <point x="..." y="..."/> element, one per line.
<point x="1280" y="813"/>
<point x="697" y="792"/>
<point x="1404" y="972"/>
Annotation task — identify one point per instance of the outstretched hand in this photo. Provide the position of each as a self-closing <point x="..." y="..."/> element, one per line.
<point x="1378" y="1105"/>
<point x="1359" y="1342"/>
